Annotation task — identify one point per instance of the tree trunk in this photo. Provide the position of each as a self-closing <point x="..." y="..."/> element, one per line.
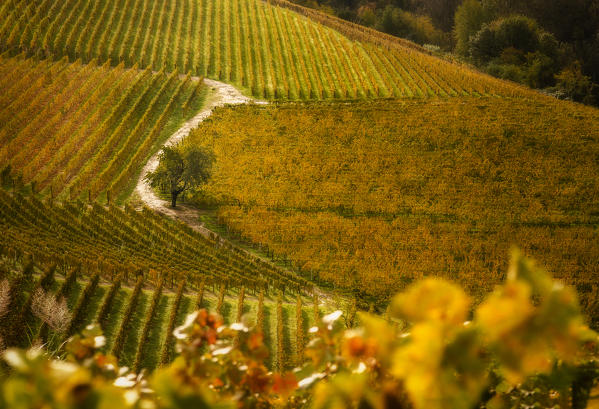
<point x="174" y="195"/>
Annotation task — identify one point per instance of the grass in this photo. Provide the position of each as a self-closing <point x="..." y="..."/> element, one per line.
<point x="93" y="308"/>
<point x="74" y="294"/>
<point x="115" y="316"/>
<point x="270" y="331"/>
<point x="151" y="351"/>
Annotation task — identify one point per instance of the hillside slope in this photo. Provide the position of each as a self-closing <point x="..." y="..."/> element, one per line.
<point x="270" y="51"/>
<point x="138" y="314"/>
<point x="126" y="240"/>
<point x="80" y="130"/>
<point x="437" y="179"/>
<point x="371" y="196"/>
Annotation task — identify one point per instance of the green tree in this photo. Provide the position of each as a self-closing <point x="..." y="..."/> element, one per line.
<point x="469" y="18"/>
<point x="441" y="11"/>
<point x="575" y="85"/>
<point x="181" y="168"/>
<point x="519" y="32"/>
<point x="417" y="28"/>
<point x="483" y="45"/>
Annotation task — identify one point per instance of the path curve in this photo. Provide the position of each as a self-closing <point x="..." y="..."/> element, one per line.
<point x="223" y="94"/>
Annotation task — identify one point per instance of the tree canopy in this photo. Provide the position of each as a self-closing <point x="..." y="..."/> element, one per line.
<point x="181" y="168"/>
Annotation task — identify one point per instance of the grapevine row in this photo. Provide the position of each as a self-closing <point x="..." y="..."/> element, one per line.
<point x="149" y="322"/>
<point x="275" y="50"/>
<point x="78" y="130"/>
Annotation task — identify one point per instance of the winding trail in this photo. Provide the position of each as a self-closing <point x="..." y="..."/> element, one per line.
<point x="223" y="94"/>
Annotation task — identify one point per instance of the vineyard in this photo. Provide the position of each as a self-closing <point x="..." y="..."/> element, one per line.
<point x="81" y="130"/>
<point x="372" y="196"/>
<point x="220" y="365"/>
<point x="365" y="166"/>
<point x="138" y="274"/>
<point x="269" y="51"/>
<point x="116" y="240"/>
<point x="138" y="315"/>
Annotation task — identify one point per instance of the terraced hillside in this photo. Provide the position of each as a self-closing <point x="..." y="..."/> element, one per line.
<point x="124" y="240"/>
<point x="270" y="51"/>
<point x="438" y="177"/>
<point x="137" y="315"/>
<point x="371" y="196"/>
<point x="79" y="130"/>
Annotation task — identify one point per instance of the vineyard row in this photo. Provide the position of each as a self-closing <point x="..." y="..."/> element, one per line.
<point x="77" y="130"/>
<point x="270" y="51"/>
<point x="138" y="321"/>
<point x="114" y="240"/>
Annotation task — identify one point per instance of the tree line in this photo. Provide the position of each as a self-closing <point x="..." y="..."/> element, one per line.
<point x="551" y="45"/>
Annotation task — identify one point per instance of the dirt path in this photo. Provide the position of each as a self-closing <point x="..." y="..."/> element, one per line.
<point x="223" y="94"/>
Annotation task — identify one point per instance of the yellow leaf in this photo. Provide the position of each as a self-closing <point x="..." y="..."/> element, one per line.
<point x="432" y="299"/>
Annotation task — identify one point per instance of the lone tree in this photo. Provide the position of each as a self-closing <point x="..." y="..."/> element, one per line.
<point x="181" y="168"/>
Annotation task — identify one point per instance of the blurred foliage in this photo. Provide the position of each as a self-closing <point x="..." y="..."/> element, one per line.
<point x="525" y="346"/>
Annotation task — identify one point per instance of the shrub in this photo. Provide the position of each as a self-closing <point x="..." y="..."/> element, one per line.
<point x="417" y="28"/>
<point x="350" y="315"/>
<point x="316" y="305"/>
<point x="200" y="298"/>
<point x="260" y="314"/>
<point x="4" y="297"/>
<point x="519" y="32"/>
<point x="574" y="84"/>
<point x="68" y="283"/>
<point x="12" y="321"/>
<point x="518" y="50"/>
<point x="54" y="314"/>
<point x="540" y="70"/>
<point x="51" y="311"/>
<point x="469" y="19"/>
<point x="483" y="45"/>
<point x="221" y="298"/>
<point x="507" y="72"/>
<point x="29" y="268"/>
<point x="299" y="331"/>
<point x="48" y="278"/>
<point x="281" y="359"/>
<point x="240" y="301"/>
